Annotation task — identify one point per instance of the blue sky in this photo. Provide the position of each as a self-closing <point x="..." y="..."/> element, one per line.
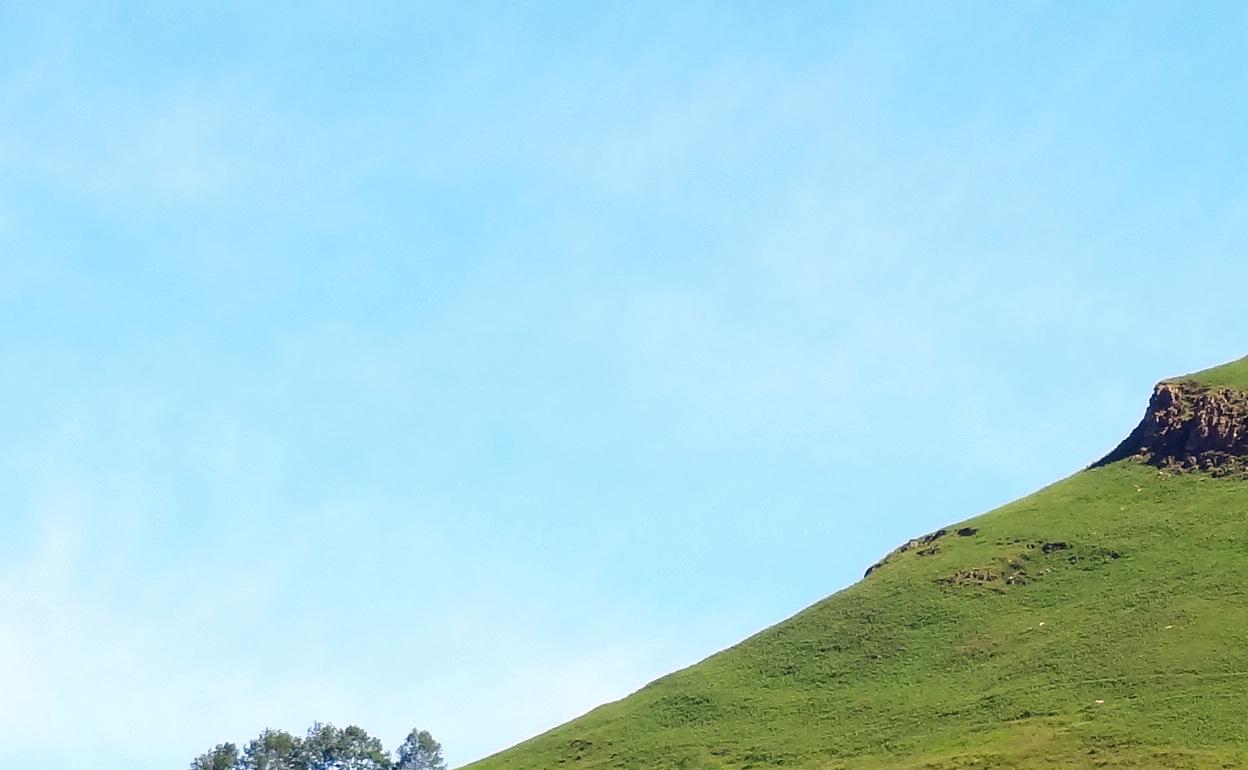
<point x="467" y="365"/>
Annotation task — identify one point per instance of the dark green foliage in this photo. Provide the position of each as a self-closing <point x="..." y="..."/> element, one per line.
<point x="325" y="747"/>
<point x="329" y="748"/>
<point x="223" y="757"/>
<point x="273" y="750"/>
<point x="420" y="752"/>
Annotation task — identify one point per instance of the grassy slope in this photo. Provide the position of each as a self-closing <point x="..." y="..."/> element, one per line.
<point x="1232" y="375"/>
<point x="902" y="671"/>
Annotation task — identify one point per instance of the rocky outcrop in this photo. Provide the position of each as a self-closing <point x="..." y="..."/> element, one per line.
<point x="909" y="545"/>
<point x="1190" y="426"/>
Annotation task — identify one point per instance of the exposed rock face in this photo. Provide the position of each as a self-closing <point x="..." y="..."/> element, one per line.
<point x="1190" y="426"/>
<point x="926" y="540"/>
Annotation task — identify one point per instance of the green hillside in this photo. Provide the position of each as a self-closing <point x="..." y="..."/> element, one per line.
<point x="1232" y="375"/>
<point x="1101" y="622"/>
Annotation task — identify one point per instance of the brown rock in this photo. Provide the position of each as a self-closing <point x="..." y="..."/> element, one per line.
<point x="1189" y="426"/>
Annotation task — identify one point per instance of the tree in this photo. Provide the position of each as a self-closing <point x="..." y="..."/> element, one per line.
<point x="324" y="748"/>
<point x="273" y="750"/>
<point x="223" y="757"/>
<point x="420" y="752"/>
<point x="329" y="748"/>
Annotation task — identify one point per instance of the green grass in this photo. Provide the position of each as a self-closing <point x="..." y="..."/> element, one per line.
<point x="1232" y="375"/>
<point x="903" y="670"/>
<point x="1123" y="643"/>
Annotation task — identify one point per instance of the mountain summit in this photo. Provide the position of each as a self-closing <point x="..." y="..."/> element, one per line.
<point x="1100" y="622"/>
<point x="1198" y="422"/>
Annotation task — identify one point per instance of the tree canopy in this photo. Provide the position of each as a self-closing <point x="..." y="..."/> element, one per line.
<point x="324" y="747"/>
<point x="419" y="751"/>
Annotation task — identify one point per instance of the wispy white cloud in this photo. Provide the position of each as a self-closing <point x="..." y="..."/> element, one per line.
<point x="564" y="321"/>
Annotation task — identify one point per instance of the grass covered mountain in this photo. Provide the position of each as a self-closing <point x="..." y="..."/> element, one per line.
<point x="1101" y="622"/>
